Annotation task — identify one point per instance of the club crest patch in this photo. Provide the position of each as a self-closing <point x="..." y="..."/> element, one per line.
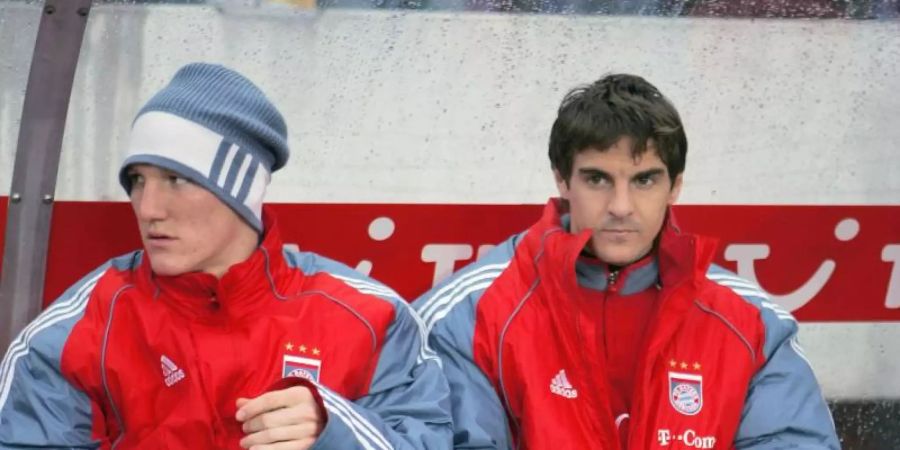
<point x="300" y="367"/>
<point x="686" y="392"/>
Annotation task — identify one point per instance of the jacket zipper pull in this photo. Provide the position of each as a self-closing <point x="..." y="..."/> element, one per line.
<point x="611" y="281"/>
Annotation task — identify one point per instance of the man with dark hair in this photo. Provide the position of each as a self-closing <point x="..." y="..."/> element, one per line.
<point x="214" y="336"/>
<point x="603" y="325"/>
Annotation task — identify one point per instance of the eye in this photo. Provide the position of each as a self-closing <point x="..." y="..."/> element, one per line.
<point x="596" y="179"/>
<point x="645" y="181"/>
<point x="178" y="180"/>
<point x="135" y="179"/>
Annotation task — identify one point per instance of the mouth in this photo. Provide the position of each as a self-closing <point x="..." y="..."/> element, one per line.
<point x="618" y="234"/>
<point x="159" y="239"/>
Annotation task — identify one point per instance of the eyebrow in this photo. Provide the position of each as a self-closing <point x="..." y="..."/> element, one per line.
<point x="650" y="173"/>
<point x="594" y="172"/>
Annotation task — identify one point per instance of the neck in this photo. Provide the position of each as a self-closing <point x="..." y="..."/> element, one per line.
<point x="238" y="251"/>
<point x="589" y="252"/>
<point x="631" y="278"/>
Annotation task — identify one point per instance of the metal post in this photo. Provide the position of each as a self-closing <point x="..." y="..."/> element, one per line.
<point x="37" y="159"/>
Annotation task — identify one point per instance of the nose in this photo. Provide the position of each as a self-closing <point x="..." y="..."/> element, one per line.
<point x="148" y="201"/>
<point x="622" y="204"/>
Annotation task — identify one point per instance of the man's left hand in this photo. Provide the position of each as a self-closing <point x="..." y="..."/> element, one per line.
<point x="288" y="419"/>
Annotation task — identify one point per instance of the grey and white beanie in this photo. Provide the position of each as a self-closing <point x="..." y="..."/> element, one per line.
<point x="214" y="127"/>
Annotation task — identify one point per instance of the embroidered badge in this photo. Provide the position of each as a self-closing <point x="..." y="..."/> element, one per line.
<point x="298" y="366"/>
<point x="686" y="392"/>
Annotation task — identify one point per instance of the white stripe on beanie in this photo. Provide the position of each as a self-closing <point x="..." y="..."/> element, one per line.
<point x="235" y="175"/>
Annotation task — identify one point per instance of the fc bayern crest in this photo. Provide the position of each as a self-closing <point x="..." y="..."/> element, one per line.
<point x="686" y="392"/>
<point x="300" y="367"/>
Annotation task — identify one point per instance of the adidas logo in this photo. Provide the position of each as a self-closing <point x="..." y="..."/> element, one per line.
<point x="561" y="386"/>
<point x="171" y="372"/>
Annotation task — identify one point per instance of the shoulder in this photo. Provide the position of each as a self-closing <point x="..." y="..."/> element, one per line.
<point x="743" y="301"/>
<point x="375" y="305"/>
<point x="371" y="302"/>
<point x="47" y="334"/>
<point x="99" y="284"/>
<point x="327" y="273"/>
<point x="456" y="298"/>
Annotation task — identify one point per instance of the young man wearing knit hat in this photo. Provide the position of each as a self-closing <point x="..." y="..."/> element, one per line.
<point x="213" y="336"/>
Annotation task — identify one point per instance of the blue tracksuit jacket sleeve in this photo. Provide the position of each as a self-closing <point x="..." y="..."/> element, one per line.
<point x="479" y="419"/>
<point x="448" y="310"/>
<point x="784" y="406"/>
<point x="39" y="408"/>
<point x="408" y="403"/>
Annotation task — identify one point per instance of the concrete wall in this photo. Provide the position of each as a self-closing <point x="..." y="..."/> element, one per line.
<point x="418" y="107"/>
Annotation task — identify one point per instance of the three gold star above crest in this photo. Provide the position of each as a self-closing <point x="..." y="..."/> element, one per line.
<point x="301" y="348"/>
<point x="684" y="364"/>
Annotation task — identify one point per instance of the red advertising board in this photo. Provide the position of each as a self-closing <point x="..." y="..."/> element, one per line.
<point x="826" y="263"/>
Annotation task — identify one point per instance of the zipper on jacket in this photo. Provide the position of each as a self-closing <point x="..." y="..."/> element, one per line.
<point x="214" y="303"/>
<point x="611" y="281"/>
<point x="645" y="368"/>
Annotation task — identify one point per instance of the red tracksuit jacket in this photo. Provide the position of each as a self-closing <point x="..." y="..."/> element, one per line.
<point x="719" y="368"/>
<point x="129" y="360"/>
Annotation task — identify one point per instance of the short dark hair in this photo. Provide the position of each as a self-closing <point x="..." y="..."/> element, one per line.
<point x="599" y="114"/>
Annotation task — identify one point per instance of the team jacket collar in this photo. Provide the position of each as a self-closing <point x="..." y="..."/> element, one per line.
<point x="242" y="289"/>
<point x="599" y="276"/>
<point x="681" y="257"/>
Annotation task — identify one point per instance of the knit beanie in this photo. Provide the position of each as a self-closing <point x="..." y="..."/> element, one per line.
<point x="214" y="127"/>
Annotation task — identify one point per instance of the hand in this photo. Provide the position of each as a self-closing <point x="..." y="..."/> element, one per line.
<point x="288" y="419"/>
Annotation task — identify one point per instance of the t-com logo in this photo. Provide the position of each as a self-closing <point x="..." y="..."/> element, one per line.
<point x="689" y="438"/>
